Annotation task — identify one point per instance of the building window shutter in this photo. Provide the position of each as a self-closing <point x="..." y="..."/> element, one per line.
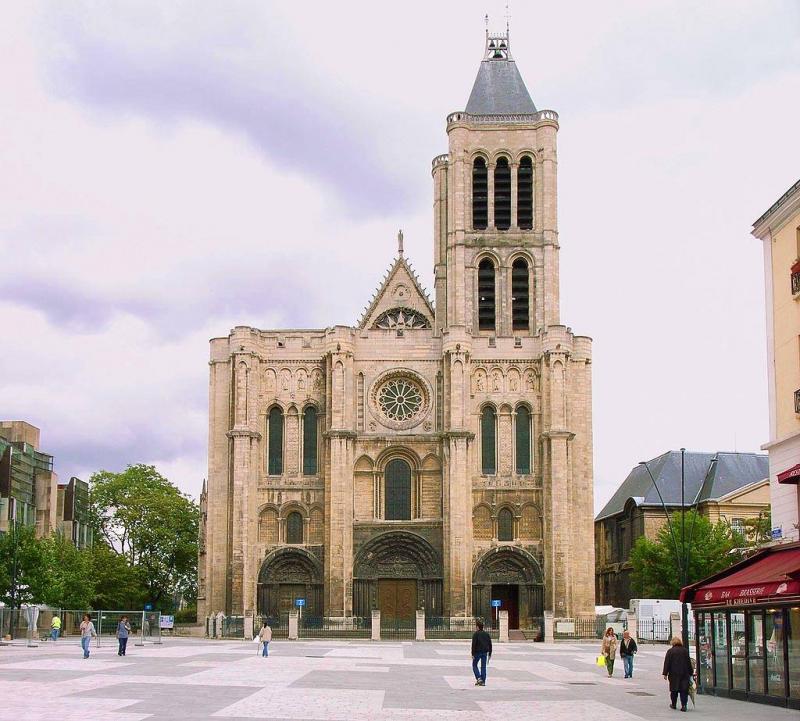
<point x="505" y="525"/>
<point x="398" y="490"/>
<point x="294" y="528"/>
<point x="480" y="194"/>
<point x="310" y="441"/>
<point x="488" y="441"/>
<point x="523" y="440"/>
<point x="486" y="295"/>
<point x="502" y="195"/>
<point x="275" y="441"/>
<point x="525" y="194"/>
<point x="519" y="294"/>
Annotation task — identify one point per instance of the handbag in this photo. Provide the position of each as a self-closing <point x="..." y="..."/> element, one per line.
<point x="601" y="661"/>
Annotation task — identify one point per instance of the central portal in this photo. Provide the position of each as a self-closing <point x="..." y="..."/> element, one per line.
<point x="397" y="599"/>
<point x="508" y="595"/>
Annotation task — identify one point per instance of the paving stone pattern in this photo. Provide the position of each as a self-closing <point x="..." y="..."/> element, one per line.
<point x="352" y="681"/>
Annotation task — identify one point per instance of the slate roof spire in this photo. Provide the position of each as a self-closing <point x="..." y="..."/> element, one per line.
<point x="499" y="88"/>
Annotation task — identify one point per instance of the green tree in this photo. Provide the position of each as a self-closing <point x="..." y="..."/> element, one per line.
<point x="31" y="568"/>
<point x="117" y="584"/>
<point x="146" y="519"/>
<point x="656" y="563"/>
<point x="758" y="530"/>
<point x="70" y="583"/>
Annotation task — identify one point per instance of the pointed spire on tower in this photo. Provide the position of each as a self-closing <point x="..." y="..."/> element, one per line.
<point x="400" y="242"/>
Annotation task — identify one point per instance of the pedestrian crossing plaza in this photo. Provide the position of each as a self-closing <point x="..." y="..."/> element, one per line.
<point x="352" y="681"/>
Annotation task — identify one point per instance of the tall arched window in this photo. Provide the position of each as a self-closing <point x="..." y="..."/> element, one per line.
<point x="480" y="194"/>
<point x="486" y="298"/>
<point x="525" y="193"/>
<point x="502" y="195"/>
<point x="505" y="525"/>
<point x="398" y="490"/>
<point x="275" y="441"/>
<point x="294" y="528"/>
<point x="523" y="440"/>
<point x="310" y="441"/>
<point x="519" y="294"/>
<point x="488" y="441"/>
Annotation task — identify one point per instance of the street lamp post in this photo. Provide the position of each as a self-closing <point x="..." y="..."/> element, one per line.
<point x="682" y="556"/>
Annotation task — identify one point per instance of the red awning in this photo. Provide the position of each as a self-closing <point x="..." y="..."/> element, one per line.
<point x="796" y="267"/>
<point x="790" y="475"/>
<point x="774" y="576"/>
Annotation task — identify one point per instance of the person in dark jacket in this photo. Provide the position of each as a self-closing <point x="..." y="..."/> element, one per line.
<point x="481" y="651"/>
<point x="678" y="670"/>
<point x="627" y="650"/>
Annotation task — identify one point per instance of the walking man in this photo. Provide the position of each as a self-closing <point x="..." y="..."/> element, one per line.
<point x="265" y="636"/>
<point x="123" y="632"/>
<point x="627" y="649"/>
<point x="87" y="631"/>
<point x="481" y="652"/>
<point x="55" y="628"/>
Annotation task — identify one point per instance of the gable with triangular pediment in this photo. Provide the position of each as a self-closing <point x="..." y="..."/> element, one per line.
<point x="400" y="301"/>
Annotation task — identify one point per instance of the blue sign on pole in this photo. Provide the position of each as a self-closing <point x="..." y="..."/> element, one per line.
<point x="496" y="603"/>
<point x="300" y="602"/>
<point x="148" y="607"/>
<point x="777" y="533"/>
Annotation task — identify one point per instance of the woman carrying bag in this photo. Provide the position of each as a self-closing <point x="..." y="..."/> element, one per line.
<point x="609" y="649"/>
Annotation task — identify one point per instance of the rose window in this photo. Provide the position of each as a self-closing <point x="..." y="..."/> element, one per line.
<point x="400" y="399"/>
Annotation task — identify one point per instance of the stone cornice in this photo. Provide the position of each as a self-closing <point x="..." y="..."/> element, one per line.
<point x="340" y="433"/>
<point x="559" y="434"/>
<point x="469" y="435"/>
<point x="243" y="433"/>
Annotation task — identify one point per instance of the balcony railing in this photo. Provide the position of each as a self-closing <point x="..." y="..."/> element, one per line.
<point x="797" y="401"/>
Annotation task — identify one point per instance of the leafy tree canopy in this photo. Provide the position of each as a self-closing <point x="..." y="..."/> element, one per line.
<point x="146" y="519"/>
<point x="31" y="568"/>
<point x="657" y="563"/>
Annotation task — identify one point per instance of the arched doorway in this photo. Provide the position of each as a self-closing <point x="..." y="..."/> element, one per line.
<point x="286" y="575"/>
<point x="397" y="572"/>
<point x="512" y="576"/>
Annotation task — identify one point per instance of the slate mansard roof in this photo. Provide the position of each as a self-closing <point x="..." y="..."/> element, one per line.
<point x="709" y="476"/>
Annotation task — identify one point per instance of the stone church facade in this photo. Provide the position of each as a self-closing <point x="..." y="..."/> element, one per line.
<point x="433" y="456"/>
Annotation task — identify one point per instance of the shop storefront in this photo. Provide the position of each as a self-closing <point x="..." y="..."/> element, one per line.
<point x="748" y="628"/>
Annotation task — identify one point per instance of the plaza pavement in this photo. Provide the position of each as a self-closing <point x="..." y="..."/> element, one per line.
<point x="352" y="681"/>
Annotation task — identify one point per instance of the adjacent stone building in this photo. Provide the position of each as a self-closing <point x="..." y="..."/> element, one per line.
<point x="431" y="456"/>
<point x="731" y="487"/>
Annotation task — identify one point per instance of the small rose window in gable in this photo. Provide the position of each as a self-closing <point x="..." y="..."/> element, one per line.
<point x="401" y="318"/>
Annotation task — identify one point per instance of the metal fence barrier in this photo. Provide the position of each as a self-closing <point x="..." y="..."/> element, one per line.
<point x="322" y="627"/>
<point x="145" y="625"/>
<point x="437" y="627"/>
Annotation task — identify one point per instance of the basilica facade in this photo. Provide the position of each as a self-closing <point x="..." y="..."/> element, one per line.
<point x="435" y="455"/>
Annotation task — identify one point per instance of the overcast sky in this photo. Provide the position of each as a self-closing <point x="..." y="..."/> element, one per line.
<point x="173" y="169"/>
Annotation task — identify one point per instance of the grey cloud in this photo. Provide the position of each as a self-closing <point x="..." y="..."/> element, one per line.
<point x="290" y="118"/>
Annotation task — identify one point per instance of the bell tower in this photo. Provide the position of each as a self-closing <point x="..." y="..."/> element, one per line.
<point x="495" y="228"/>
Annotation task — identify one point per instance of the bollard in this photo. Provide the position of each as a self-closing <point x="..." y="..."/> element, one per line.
<point x="249" y="630"/>
<point x="293" y="625"/>
<point x="376" y="625"/>
<point x="420" y="626"/>
<point x="503" y="627"/>
<point x="675" y="625"/>
<point x="549" y="630"/>
<point x="633" y="625"/>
